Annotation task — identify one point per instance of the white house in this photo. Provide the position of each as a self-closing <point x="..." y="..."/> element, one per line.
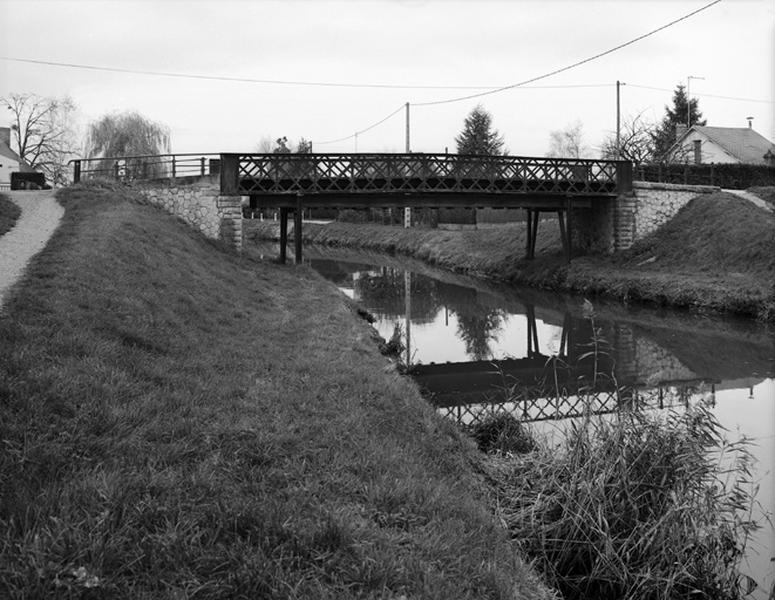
<point x="704" y="145"/>
<point x="10" y="162"/>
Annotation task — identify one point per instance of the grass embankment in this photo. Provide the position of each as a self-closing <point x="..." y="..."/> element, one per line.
<point x="179" y="421"/>
<point x="9" y="214"/>
<point x="718" y="253"/>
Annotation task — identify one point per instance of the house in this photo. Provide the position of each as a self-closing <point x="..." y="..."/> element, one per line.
<point x="10" y="162"/>
<point x="704" y="145"/>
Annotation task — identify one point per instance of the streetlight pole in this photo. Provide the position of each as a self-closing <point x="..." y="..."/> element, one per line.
<point x="689" y="100"/>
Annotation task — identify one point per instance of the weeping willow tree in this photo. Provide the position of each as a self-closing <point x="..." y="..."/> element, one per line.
<point x="128" y="134"/>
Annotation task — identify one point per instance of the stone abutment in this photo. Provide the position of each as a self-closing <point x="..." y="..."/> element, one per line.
<point x="198" y="202"/>
<point x="615" y="224"/>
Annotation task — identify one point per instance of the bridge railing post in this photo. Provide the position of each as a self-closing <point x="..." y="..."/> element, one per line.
<point x="623" y="176"/>
<point x="229" y="174"/>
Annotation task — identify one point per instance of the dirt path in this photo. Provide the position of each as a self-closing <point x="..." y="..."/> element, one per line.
<point x="40" y="216"/>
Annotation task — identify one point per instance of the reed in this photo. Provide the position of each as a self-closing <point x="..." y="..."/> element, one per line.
<point x="641" y="505"/>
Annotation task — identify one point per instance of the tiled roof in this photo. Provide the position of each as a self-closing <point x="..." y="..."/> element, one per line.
<point x="743" y="143"/>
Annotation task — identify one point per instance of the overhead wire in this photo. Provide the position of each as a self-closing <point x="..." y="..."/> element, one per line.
<point x="571" y="66"/>
<point x="702" y="94"/>
<point x="372" y="126"/>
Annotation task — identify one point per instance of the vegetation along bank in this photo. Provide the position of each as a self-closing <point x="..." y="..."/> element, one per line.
<point x="717" y="253"/>
<point x="180" y="421"/>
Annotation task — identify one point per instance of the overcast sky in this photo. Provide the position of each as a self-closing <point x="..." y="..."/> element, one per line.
<point x="393" y="42"/>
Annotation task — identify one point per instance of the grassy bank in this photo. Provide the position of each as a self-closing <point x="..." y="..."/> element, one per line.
<point x="9" y="214"/>
<point x="717" y="254"/>
<point x="179" y="421"/>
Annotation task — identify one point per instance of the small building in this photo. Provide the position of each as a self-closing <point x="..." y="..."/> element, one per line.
<point x="722" y="145"/>
<point x="10" y="162"/>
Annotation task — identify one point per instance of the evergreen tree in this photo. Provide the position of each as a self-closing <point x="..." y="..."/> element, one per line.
<point x="478" y="136"/>
<point x="665" y="134"/>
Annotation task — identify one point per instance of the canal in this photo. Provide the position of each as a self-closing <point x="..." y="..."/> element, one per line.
<point x="477" y="347"/>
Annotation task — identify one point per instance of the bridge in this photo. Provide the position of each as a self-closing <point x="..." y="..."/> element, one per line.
<point x="294" y="182"/>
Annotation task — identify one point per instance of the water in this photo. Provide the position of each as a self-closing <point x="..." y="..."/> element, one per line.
<point x="458" y="327"/>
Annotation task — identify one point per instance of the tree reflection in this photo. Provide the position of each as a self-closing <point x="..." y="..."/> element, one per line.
<point x="478" y="329"/>
<point x="384" y="292"/>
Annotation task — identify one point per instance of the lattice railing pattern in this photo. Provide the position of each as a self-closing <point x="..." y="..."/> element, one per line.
<point x="557" y="406"/>
<point x="422" y="173"/>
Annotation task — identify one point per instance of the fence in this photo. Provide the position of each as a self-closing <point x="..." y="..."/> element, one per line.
<point x="145" y="167"/>
<point x="730" y="176"/>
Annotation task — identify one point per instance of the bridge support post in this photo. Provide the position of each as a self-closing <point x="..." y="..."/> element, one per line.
<point x="568" y="229"/>
<point x="297" y="214"/>
<point x="283" y="234"/>
<point x="532" y="232"/>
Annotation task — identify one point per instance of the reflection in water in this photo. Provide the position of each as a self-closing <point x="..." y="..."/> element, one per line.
<point x="477" y="348"/>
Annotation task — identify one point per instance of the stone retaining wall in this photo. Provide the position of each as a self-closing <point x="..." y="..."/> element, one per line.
<point x="197" y="201"/>
<point x="657" y="203"/>
<point x="612" y="225"/>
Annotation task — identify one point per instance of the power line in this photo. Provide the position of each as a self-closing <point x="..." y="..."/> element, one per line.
<point x="399" y="109"/>
<point x="648" y="87"/>
<point x="341" y="84"/>
<point x="572" y="66"/>
<point x="198" y="76"/>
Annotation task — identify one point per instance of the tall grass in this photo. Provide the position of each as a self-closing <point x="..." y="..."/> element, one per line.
<point x="638" y="505"/>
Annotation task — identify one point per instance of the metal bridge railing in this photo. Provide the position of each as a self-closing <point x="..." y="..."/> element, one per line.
<point x="146" y="167"/>
<point x="246" y="174"/>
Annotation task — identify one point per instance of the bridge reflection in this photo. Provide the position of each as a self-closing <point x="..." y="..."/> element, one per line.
<point x="476" y="347"/>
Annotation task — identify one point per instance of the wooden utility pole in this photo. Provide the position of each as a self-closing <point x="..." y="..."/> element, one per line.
<point x="618" y="124"/>
<point x="407" y="210"/>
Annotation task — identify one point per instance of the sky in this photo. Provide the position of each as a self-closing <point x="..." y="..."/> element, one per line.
<point x="729" y="48"/>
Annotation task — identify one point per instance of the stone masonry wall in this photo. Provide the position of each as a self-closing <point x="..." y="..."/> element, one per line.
<point x="615" y="225"/>
<point x="198" y="202"/>
<point x="657" y="203"/>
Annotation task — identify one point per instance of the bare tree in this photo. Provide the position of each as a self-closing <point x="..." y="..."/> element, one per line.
<point x="265" y="145"/>
<point x="44" y="132"/>
<point x="636" y="141"/>
<point x="568" y="142"/>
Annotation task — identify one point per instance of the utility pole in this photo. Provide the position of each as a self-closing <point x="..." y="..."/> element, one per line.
<point x="356" y="142"/>
<point x="407" y="210"/>
<point x="689" y="100"/>
<point x="618" y="124"/>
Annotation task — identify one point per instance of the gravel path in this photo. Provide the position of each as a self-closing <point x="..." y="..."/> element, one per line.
<point x="751" y="198"/>
<point x="40" y="216"/>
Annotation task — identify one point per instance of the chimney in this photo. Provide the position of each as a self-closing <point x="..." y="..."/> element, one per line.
<point x="5" y="136"/>
<point x="750" y="122"/>
<point x="680" y="129"/>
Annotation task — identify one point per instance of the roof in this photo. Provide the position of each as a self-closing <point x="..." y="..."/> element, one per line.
<point x="5" y="150"/>
<point x="745" y="144"/>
